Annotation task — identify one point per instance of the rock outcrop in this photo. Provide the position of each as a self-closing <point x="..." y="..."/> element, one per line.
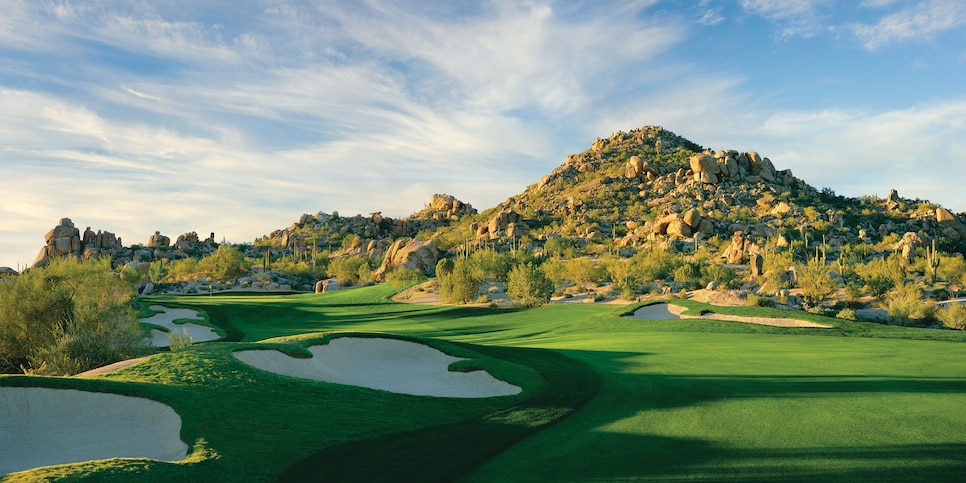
<point x="413" y="254"/>
<point x="158" y="240"/>
<point x="61" y="241"/>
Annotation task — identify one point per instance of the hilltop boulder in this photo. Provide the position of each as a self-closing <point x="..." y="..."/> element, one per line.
<point x="61" y="241"/>
<point x="158" y="240"/>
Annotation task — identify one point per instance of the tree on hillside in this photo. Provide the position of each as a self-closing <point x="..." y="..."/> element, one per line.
<point x="528" y="285"/>
<point x="73" y="315"/>
<point x="225" y="263"/>
<point x="462" y="284"/>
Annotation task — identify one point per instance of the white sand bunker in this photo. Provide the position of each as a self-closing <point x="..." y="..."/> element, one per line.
<point x="166" y="318"/>
<point x="669" y="311"/>
<point x="388" y="364"/>
<point x="41" y="427"/>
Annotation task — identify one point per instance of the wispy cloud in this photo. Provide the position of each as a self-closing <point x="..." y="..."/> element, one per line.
<point x="794" y="18"/>
<point x="915" y="23"/>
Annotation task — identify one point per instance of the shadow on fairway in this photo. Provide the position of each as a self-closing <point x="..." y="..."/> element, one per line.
<point x="600" y="443"/>
<point x="444" y="453"/>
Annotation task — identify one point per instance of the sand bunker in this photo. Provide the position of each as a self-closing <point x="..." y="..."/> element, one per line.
<point x="388" y="364"/>
<point x="42" y="427"/>
<point x="166" y="318"/>
<point x="669" y="311"/>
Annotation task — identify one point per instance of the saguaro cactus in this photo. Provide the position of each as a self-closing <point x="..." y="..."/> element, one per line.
<point x="932" y="259"/>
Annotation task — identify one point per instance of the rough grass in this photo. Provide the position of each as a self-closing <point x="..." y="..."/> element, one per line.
<point x="677" y="399"/>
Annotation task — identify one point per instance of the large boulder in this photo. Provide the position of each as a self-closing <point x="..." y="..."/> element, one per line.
<point x="61" y="241"/>
<point x="705" y="168"/>
<point x="907" y="247"/>
<point x="412" y="254"/>
<point x="158" y="240"/>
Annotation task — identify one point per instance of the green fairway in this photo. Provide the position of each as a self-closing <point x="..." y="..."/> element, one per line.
<point x="605" y="398"/>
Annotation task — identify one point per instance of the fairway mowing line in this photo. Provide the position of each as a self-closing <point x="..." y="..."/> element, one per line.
<point x="41" y="426"/>
<point x="392" y="365"/>
<point x="671" y="311"/>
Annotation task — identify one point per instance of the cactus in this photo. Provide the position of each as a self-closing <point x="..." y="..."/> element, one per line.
<point x="932" y="260"/>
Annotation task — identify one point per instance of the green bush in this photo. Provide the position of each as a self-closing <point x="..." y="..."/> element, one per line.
<point x="347" y="270"/>
<point x="907" y="307"/>
<point x="528" y="286"/>
<point x="462" y="285"/>
<point x="846" y="314"/>
<point x="726" y="277"/>
<point x="73" y="315"/>
<point x="815" y="281"/>
<point x="655" y="264"/>
<point x="225" y="263"/>
<point x="402" y="277"/>
<point x="759" y="301"/>
<point x="953" y="316"/>
<point x="444" y="267"/>
<point x="582" y="271"/>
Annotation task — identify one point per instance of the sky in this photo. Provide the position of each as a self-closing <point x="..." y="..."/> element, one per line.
<point x="237" y="117"/>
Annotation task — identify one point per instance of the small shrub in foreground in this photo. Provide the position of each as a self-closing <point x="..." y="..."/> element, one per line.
<point x="846" y="314"/>
<point x="953" y="316"/>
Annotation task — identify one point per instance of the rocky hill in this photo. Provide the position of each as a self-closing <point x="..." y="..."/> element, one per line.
<point x="643" y="188"/>
<point x="652" y="186"/>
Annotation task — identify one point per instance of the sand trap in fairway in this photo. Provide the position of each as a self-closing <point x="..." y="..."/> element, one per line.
<point x="41" y="427"/>
<point x="669" y="311"/>
<point x="388" y="364"/>
<point x="198" y="333"/>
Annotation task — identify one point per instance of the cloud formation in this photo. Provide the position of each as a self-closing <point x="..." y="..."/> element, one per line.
<point x="237" y="117"/>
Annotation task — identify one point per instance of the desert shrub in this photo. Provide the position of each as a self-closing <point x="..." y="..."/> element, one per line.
<point x="444" y="267"/>
<point x="402" y="277"/>
<point x="73" y="315"/>
<point x="815" y="281"/>
<point x="347" y="270"/>
<point x="623" y="274"/>
<point x="846" y="314"/>
<point x="555" y="270"/>
<point x="951" y="268"/>
<point x="225" y="263"/>
<point x="907" y="307"/>
<point x="182" y="269"/>
<point x="689" y="273"/>
<point x="726" y="277"/>
<point x="461" y="285"/>
<point x="879" y="272"/>
<point x="655" y="264"/>
<point x="178" y="340"/>
<point x="560" y="248"/>
<point x="759" y="301"/>
<point x="775" y="267"/>
<point x="952" y="316"/>
<point x="582" y="271"/>
<point x="528" y="285"/>
<point x="492" y="264"/>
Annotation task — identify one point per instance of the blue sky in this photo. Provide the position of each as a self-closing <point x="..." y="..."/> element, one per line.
<point x="236" y="117"/>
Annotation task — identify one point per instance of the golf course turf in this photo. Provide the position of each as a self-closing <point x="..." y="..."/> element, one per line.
<point x="605" y="397"/>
